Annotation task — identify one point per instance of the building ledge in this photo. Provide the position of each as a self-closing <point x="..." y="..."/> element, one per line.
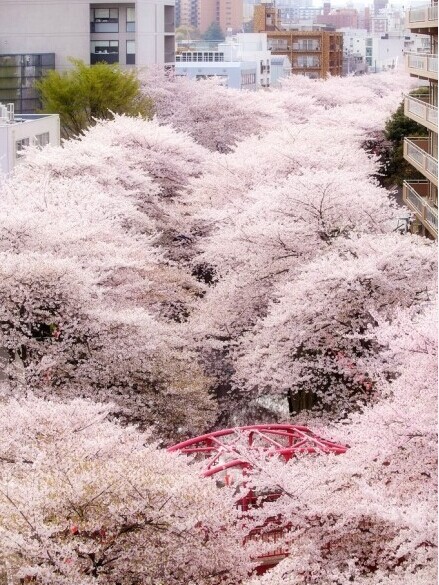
<point x="423" y="65"/>
<point x="416" y="153"/>
<point x="421" y="111"/>
<point x="415" y="196"/>
<point x="422" y="17"/>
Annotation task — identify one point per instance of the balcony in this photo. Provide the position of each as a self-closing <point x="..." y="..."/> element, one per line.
<point x="109" y="58"/>
<point x="421" y="111"/>
<point x="422" y="65"/>
<point x="416" y="153"/>
<point x="422" y="17"/>
<point x="415" y="196"/>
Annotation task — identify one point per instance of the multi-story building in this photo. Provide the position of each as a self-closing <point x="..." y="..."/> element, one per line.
<point x="385" y="51"/>
<point x="314" y="53"/>
<point x="201" y="14"/>
<point x="249" y="49"/>
<point x="19" y="132"/>
<point x="18" y="74"/>
<point x="187" y="13"/>
<point x="232" y="74"/>
<point x="340" y="17"/>
<point x="127" y="32"/>
<point x="421" y="196"/>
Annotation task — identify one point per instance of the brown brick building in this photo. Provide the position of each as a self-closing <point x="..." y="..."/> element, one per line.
<point x="314" y="53"/>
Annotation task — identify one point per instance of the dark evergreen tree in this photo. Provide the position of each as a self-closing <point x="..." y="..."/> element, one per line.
<point x="214" y="33"/>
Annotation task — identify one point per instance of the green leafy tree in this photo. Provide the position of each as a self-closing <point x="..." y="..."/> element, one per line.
<point x="87" y="93"/>
<point x="214" y="33"/>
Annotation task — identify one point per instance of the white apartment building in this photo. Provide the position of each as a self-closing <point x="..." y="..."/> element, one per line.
<point x="248" y="52"/>
<point x="127" y="32"/>
<point x="250" y="47"/>
<point x="378" y="51"/>
<point x="232" y="74"/>
<point x="18" y="132"/>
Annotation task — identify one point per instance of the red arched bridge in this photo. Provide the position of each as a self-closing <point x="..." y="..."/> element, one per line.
<point x="230" y="454"/>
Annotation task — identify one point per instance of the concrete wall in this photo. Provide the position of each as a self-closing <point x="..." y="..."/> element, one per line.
<point x="63" y="27"/>
<point x="231" y="73"/>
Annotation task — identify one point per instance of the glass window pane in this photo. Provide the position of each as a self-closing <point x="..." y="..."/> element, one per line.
<point x="102" y="13"/>
<point x="104" y="46"/>
<point x="131" y="14"/>
<point x="42" y="139"/>
<point x="131" y="47"/>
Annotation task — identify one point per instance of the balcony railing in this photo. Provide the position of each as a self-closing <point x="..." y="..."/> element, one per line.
<point x="421" y="111"/>
<point x="422" y="64"/>
<point x="415" y="195"/>
<point x="423" y="16"/>
<point x="295" y="48"/>
<point x="416" y="153"/>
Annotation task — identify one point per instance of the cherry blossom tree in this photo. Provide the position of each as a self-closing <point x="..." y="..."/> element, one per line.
<point x="95" y="302"/>
<point x="215" y="116"/>
<point x="190" y="271"/>
<point x="369" y="515"/>
<point x="318" y="336"/>
<point x="83" y="500"/>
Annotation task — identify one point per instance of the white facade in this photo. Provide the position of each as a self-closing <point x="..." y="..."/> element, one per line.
<point x="22" y="131"/>
<point x="379" y="51"/>
<point x="385" y="51"/>
<point x="64" y="27"/>
<point x="354" y="41"/>
<point x="280" y="68"/>
<point x="233" y="74"/>
<point x="251" y="47"/>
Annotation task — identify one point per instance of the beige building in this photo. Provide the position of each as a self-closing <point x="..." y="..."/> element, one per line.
<point x="127" y="32"/>
<point x="200" y="14"/>
<point x="187" y="13"/>
<point x="314" y="53"/>
<point x="421" y="196"/>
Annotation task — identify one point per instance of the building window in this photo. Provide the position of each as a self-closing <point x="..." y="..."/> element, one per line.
<point x="42" y="139"/>
<point x="307" y="45"/>
<point x="131" y="52"/>
<point x="131" y="19"/>
<point x="104" y="20"/>
<point x="20" y="146"/>
<point x="18" y="74"/>
<point x="104" y="51"/>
